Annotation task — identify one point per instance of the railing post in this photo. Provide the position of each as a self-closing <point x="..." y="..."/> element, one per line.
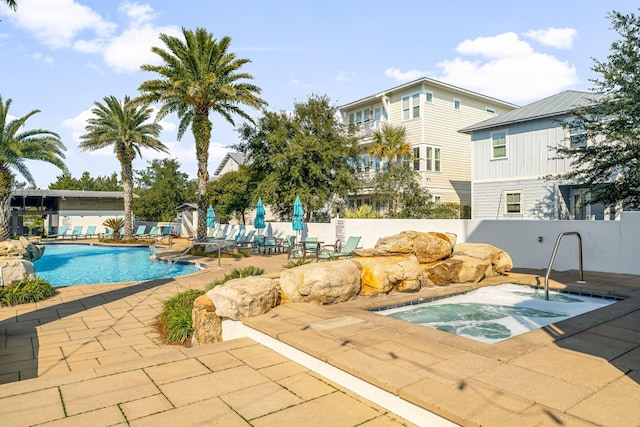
<point x="553" y="257"/>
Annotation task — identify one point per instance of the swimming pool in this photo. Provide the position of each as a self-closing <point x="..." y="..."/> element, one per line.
<point x="494" y="313"/>
<point x="75" y="264"/>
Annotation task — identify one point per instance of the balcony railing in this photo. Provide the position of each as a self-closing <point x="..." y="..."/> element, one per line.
<point x="365" y="129"/>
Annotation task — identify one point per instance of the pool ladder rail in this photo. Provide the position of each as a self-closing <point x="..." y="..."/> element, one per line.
<point x="216" y="244"/>
<point x="553" y="257"/>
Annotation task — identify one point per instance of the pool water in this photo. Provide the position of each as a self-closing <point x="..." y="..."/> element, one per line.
<point x="495" y="313"/>
<point x="71" y="264"/>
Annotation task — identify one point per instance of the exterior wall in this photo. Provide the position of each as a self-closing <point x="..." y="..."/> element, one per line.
<point x="229" y="166"/>
<point x="540" y="199"/>
<point x="437" y="126"/>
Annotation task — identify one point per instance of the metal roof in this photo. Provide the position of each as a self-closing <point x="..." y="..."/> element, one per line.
<point x="69" y="193"/>
<point x="554" y="105"/>
<point x="430" y="82"/>
<point x="236" y="157"/>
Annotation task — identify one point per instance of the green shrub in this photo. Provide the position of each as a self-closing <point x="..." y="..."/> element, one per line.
<point x="27" y="290"/>
<point x="175" y="319"/>
<point x="296" y="263"/>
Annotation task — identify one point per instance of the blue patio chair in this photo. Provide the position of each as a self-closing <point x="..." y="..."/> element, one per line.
<point x="140" y="232"/>
<point x="154" y="232"/>
<point x="107" y="233"/>
<point x="247" y="239"/>
<point x="77" y="231"/>
<point x="310" y="247"/>
<point x="345" y="252"/>
<point x="258" y="242"/>
<point x="269" y="245"/>
<point x="62" y="230"/>
<point x="91" y="231"/>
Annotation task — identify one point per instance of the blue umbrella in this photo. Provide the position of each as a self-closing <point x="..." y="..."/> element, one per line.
<point x="297" y="222"/>
<point x="211" y="217"/>
<point x="258" y="221"/>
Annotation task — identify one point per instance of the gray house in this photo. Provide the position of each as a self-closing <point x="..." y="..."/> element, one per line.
<point x="512" y="153"/>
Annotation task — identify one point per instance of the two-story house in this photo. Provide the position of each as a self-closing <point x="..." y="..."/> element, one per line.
<point x="432" y="112"/>
<point x="513" y="153"/>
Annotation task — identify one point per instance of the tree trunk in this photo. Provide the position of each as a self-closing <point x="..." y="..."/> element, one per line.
<point x="127" y="186"/>
<point x="6" y="192"/>
<point x="201" y="127"/>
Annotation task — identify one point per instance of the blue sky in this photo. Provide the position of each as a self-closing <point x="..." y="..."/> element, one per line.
<point x="61" y="56"/>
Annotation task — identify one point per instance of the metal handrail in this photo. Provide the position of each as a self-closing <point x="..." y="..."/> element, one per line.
<point x="553" y="257"/>
<point x="188" y="249"/>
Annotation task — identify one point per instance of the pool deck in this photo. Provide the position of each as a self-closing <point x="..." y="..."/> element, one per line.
<point x="91" y="356"/>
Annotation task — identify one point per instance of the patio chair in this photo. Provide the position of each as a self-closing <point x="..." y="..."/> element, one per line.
<point x="289" y="244"/>
<point x="247" y="239"/>
<point x="107" y="233"/>
<point x="154" y="232"/>
<point x="345" y="252"/>
<point x="270" y="244"/>
<point x="258" y="242"/>
<point x="140" y="232"/>
<point x="62" y="230"/>
<point x="91" y="231"/>
<point x="77" y="231"/>
<point x="310" y="248"/>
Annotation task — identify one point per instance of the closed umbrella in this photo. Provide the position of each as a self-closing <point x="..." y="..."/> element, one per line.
<point x="258" y="221"/>
<point x="211" y="217"/>
<point x="297" y="223"/>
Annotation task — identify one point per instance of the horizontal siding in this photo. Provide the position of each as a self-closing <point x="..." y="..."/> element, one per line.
<point x="539" y="199"/>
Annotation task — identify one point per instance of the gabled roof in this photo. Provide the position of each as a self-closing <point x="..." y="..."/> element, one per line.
<point x="554" y="105"/>
<point x="236" y="157"/>
<point x="430" y="82"/>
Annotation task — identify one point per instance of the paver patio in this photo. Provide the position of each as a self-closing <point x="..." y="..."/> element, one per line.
<point x="91" y="356"/>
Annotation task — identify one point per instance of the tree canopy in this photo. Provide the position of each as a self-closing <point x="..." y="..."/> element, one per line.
<point x="231" y="194"/>
<point x="66" y="181"/>
<point x="161" y="188"/>
<point x="307" y="153"/>
<point x="609" y="164"/>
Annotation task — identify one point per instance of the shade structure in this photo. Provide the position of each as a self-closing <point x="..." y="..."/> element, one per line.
<point x="258" y="221"/>
<point x="211" y="217"/>
<point x="297" y="223"/>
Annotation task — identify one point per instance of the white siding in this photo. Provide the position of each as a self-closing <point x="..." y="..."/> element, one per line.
<point x="539" y="199"/>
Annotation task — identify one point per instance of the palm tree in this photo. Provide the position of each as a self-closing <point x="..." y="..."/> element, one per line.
<point x="125" y="125"/>
<point x="200" y="76"/>
<point x="12" y="4"/>
<point x="390" y="144"/>
<point x="15" y="148"/>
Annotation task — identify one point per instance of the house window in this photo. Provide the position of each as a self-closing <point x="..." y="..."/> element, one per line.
<point x="432" y="159"/>
<point x="411" y="107"/>
<point x="499" y="140"/>
<point x="429" y="97"/>
<point x="359" y="117"/>
<point x="416" y="158"/>
<point x="513" y="204"/>
<point x="456" y="104"/>
<point x="367" y="115"/>
<point x="577" y="135"/>
<point x="437" y="199"/>
<point x="377" y="113"/>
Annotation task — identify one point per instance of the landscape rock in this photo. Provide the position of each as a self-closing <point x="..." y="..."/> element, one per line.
<point x="245" y="297"/>
<point x="14" y="270"/>
<point x="427" y="247"/>
<point x="321" y="283"/>
<point x="380" y="275"/>
<point x="20" y="249"/>
<point x="472" y="270"/>
<point x="444" y="272"/>
<point x="500" y="261"/>
<point x="207" y="325"/>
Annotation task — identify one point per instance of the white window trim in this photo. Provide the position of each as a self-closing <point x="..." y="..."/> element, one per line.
<point x="506" y="209"/>
<point x="433" y="199"/>
<point x="457" y="100"/>
<point x="426" y="98"/>
<point x="506" y="144"/>
<point x="433" y="158"/>
<point x="574" y="131"/>
<point x="410" y="96"/>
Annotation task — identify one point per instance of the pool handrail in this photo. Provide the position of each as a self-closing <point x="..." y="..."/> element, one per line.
<point x="188" y="249"/>
<point x="553" y="257"/>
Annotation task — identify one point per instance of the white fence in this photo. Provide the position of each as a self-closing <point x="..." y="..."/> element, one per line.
<point x="608" y="246"/>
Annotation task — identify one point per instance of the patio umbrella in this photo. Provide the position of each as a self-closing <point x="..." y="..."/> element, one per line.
<point x="211" y="217"/>
<point x="297" y="223"/>
<point x="258" y="221"/>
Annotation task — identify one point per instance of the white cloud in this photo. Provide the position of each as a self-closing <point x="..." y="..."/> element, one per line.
<point x="508" y="68"/>
<point x="138" y="13"/>
<point x="345" y="76"/>
<point x="560" y="38"/>
<point x="41" y="57"/>
<point x="403" y="76"/>
<point x="58" y="23"/>
<point x="77" y="124"/>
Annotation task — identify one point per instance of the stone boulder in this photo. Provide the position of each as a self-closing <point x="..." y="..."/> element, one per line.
<point x="20" y="249"/>
<point x="381" y="275"/>
<point x="14" y="270"/>
<point x="472" y="270"/>
<point x="427" y="247"/>
<point x="207" y="325"/>
<point x="321" y="283"/>
<point x="442" y="273"/>
<point x="245" y="297"/>
<point x="500" y="261"/>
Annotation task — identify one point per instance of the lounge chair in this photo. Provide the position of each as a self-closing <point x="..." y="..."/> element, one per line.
<point x="258" y="242"/>
<point x="62" y="230"/>
<point x="247" y="239"/>
<point x="154" y="232"/>
<point x="91" y="231"/>
<point x="140" y="232"/>
<point x="77" y="231"/>
<point x="345" y="252"/>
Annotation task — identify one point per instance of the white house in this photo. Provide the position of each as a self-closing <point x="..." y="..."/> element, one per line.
<point x="512" y="155"/>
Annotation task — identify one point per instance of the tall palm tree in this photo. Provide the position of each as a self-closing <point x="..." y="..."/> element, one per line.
<point x="13" y="5"/>
<point x="16" y="146"/>
<point x="199" y="76"/>
<point x="127" y="126"/>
